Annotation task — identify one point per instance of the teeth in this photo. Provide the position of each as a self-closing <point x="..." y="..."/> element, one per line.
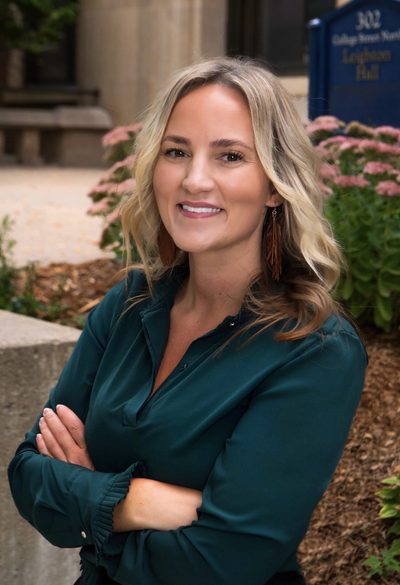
<point x="201" y="209"/>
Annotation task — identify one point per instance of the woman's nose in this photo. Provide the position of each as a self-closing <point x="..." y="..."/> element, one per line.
<point x="198" y="177"/>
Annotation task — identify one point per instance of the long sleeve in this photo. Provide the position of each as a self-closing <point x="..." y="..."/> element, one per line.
<point x="68" y="504"/>
<point x="265" y="483"/>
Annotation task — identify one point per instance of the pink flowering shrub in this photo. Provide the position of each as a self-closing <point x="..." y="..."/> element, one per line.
<point x="360" y="176"/>
<point x="377" y="168"/>
<point x="115" y="184"/>
<point x="388" y="188"/>
<point x="324" y="126"/>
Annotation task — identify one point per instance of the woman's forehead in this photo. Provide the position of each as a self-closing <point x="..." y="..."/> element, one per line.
<point x="211" y="109"/>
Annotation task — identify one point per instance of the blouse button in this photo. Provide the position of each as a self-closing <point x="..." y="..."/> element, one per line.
<point x="232" y="324"/>
<point x="83" y="534"/>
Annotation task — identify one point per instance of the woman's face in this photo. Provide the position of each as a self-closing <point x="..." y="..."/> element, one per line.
<point x="210" y="187"/>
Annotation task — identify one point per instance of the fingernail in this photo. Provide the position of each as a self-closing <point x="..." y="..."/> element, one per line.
<point x="41" y="420"/>
<point x="59" y="406"/>
<point x="47" y="411"/>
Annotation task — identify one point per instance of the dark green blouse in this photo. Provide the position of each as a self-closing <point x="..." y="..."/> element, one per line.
<point x="258" y="427"/>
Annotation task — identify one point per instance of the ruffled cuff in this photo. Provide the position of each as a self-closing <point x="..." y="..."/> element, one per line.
<point x="103" y="521"/>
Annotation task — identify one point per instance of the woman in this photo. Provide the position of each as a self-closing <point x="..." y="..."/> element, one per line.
<point x="207" y="402"/>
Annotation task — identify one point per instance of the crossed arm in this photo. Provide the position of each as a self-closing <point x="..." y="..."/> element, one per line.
<point x="149" y="504"/>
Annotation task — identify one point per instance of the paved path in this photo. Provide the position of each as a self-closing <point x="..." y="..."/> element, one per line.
<point x="48" y="206"/>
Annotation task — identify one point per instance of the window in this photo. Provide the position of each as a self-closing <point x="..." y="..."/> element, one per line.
<point x="53" y="68"/>
<point x="274" y="31"/>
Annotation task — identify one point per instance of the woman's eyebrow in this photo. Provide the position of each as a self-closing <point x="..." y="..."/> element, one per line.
<point x="176" y="139"/>
<point x="229" y="143"/>
<point x="221" y="142"/>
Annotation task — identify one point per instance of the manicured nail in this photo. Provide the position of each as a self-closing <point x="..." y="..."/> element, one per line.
<point x="41" y="420"/>
<point x="47" y="411"/>
<point x="59" y="406"/>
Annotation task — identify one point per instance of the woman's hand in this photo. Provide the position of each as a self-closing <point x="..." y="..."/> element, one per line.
<point x="62" y="436"/>
<point x="156" y="505"/>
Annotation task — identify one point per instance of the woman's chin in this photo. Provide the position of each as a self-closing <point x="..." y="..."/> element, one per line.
<point x="194" y="247"/>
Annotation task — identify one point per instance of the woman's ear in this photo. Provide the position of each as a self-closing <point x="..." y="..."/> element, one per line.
<point x="273" y="197"/>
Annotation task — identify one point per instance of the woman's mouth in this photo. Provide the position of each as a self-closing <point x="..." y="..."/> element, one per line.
<point x="198" y="211"/>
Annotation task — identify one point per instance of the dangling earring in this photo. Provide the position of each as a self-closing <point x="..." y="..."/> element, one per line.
<point x="274" y="243"/>
<point x="166" y="247"/>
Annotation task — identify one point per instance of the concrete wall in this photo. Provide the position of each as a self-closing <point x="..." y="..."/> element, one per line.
<point x="129" y="48"/>
<point x="32" y="353"/>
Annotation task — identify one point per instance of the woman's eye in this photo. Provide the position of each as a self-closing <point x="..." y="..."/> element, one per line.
<point x="174" y="153"/>
<point x="232" y="157"/>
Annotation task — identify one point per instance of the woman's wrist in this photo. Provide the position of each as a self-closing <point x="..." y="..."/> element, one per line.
<point x="151" y="504"/>
<point x="125" y="512"/>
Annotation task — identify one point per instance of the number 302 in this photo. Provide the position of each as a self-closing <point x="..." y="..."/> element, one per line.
<point x="370" y="19"/>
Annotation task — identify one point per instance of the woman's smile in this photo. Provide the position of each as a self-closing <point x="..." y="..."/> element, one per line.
<point x="198" y="210"/>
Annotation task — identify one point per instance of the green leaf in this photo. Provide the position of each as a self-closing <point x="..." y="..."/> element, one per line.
<point x="389" y="562"/>
<point x="379" y="322"/>
<point x="392" y="286"/>
<point x="392" y="480"/>
<point x="357" y="310"/>
<point x="347" y="288"/>
<point x="384" y="307"/>
<point x="366" y="289"/>
<point x="388" y="493"/>
<point x="374" y="563"/>
<point x="387" y="512"/>
<point x="360" y="273"/>
<point x="395" y="547"/>
<point x="395" y="529"/>
<point x="383" y="288"/>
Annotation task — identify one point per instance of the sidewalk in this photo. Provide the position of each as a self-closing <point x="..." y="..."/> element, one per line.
<point x="48" y="206"/>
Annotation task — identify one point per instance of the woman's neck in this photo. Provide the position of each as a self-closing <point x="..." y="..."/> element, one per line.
<point x="214" y="289"/>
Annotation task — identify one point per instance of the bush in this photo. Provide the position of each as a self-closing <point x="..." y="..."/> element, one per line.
<point x="7" y="270"/>
<point x="17" y="296"/>
<point x="387" y="562"/>
<point x="114" y="186"/>
<point x="35" y="25"/>
<point x="361" y="181"/>
<point x="10" y="298"/>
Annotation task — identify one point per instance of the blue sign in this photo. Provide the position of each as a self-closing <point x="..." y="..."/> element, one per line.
<point x="355" y="63"/>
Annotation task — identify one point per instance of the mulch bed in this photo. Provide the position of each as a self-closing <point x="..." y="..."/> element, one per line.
<point x="345" y="529"/>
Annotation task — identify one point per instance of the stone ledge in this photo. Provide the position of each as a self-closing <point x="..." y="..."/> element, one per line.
<point x="84" y="117"/>
<point x="72" y="117"/>
<point x="68" y="135"/>
<point x="18" y="117"/>
<point x="32" y="355"/>
<point x="20" y="331"/>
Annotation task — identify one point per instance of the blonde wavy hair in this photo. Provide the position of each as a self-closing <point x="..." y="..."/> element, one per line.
<point x="311" y="259"/>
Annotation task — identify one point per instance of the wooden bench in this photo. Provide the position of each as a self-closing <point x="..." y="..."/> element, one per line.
<point x="67" y="135"/>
